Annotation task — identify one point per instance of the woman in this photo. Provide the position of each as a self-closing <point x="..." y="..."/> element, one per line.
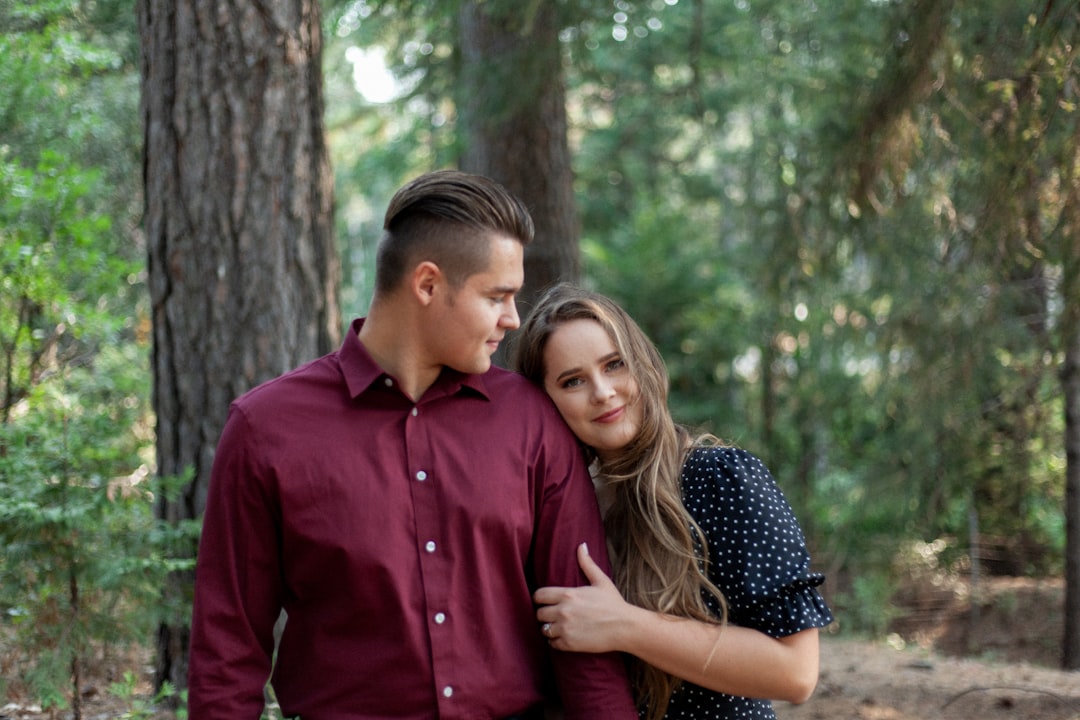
<point x="720" y="613"/>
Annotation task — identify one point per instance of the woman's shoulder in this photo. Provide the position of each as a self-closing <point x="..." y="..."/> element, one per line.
<point x="720" y="471"/>
<point x="725" y="459"/>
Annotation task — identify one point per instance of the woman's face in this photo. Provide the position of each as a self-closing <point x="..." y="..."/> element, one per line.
<point x="592" y="386"/>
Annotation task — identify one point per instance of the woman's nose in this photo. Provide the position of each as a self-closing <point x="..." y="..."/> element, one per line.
<point x="602" y="390"/>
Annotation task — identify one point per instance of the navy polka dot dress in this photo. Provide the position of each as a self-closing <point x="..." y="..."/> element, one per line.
<point x="758" y="559"/>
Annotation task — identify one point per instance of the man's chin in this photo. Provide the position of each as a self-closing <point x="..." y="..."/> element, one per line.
<point x="477" y="367"/>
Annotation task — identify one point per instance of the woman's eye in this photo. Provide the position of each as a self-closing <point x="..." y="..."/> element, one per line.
<point x="570" y="382"/>
<point x="616" y="364"/>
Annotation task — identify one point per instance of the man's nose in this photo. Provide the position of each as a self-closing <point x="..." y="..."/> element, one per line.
<point x="510" y="319"/>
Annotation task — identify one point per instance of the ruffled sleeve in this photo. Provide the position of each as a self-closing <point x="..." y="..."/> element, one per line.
<point x="757" y="551"/>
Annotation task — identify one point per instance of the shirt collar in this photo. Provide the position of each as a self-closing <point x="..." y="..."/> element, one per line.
<point x="361" y="371"/>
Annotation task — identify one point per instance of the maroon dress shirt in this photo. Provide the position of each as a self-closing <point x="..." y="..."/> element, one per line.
<point x="404" y="540"/>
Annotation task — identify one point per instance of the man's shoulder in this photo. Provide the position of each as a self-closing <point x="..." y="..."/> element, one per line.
<point x="320" y="372"/>
<point x="508" y="382"/>
<point x="514" y="390"/>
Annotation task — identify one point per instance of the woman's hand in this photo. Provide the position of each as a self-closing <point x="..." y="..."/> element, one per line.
<point x="590" y="618"/>
<point x="725" y="658"/>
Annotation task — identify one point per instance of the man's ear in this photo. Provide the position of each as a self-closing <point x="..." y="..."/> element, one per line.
<point x="426" y="279"/>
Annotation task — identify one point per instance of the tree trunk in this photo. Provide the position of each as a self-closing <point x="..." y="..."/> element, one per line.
<point x="1070" y="376"/>
<point x="243" y="273"/>
<point x="513" y="116"/>
<point x="1070" y="384"/>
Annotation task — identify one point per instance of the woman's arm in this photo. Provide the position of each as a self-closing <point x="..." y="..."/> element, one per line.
<point x="728" y="659"/>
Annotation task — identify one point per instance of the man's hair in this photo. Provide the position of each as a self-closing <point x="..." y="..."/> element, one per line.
<point x="447" y="217"/>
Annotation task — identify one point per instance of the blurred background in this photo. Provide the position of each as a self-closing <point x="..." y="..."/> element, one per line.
<point x="852" y="228"/>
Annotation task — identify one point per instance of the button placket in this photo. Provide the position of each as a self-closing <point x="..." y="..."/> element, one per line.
<point x="429" y="535"/>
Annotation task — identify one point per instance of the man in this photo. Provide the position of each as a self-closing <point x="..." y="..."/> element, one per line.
<point x="400" y="499"/>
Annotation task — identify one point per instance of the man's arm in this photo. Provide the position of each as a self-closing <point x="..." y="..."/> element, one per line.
<point x="590" y="685"/>
<point x="237" y="586"/>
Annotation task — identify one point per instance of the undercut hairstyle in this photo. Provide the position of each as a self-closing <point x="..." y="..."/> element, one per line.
<point x="447" y="217"/>
<point x="659" y="555"/>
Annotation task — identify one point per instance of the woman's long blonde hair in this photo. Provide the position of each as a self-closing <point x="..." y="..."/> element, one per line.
<point x="650" y="534"/>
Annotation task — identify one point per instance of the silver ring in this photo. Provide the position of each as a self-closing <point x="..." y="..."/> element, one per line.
<point x="546" y="629"/>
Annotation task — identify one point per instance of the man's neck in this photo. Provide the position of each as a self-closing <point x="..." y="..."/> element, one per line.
<point x="391" y="342"/>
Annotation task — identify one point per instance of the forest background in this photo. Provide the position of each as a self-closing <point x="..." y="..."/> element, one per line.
<point x="852" y="228"/>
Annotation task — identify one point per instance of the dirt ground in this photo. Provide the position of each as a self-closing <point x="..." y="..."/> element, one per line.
<point x="876" y="681"/>
<point x="941" y="662"/>
<point x="944" y="662"/>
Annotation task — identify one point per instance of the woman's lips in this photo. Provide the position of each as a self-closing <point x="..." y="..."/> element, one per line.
<point x="611" y="415"/>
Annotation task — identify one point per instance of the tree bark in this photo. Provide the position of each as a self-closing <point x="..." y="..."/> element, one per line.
<point x="1070" y="384"/>
<point x="513" y="116"/>
<point x="1070" y="375"/>
<point x="243" y="272"/>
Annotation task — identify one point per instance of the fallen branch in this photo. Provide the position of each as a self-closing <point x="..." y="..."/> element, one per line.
<point x="1068" y="702"/>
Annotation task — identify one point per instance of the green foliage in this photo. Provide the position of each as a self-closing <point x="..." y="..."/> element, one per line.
<point x="70" y="271"/>
<point x="82" y="559"/>
<point x="866" y="608"/>
<point x="848" y="248"/>
<point x="70" y="523"/>
<point x="840" y="223"/>
<point x="57" y="278"/>
<point x="140" y="708"/>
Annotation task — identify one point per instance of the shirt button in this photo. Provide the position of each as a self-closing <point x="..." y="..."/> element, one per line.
<point x="440" y="618"/>
<point x="415" y="412"/>
<point x="430" y="546"/>
<point x="421" y="476"/>
<point x="447" y="691"/>
<point x="389" y="382"/>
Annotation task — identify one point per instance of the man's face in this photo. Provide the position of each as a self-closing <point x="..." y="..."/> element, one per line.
<point x="470" y="321"/>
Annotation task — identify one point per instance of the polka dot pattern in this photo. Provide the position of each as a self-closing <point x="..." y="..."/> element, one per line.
<point x="758" y="558"/>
